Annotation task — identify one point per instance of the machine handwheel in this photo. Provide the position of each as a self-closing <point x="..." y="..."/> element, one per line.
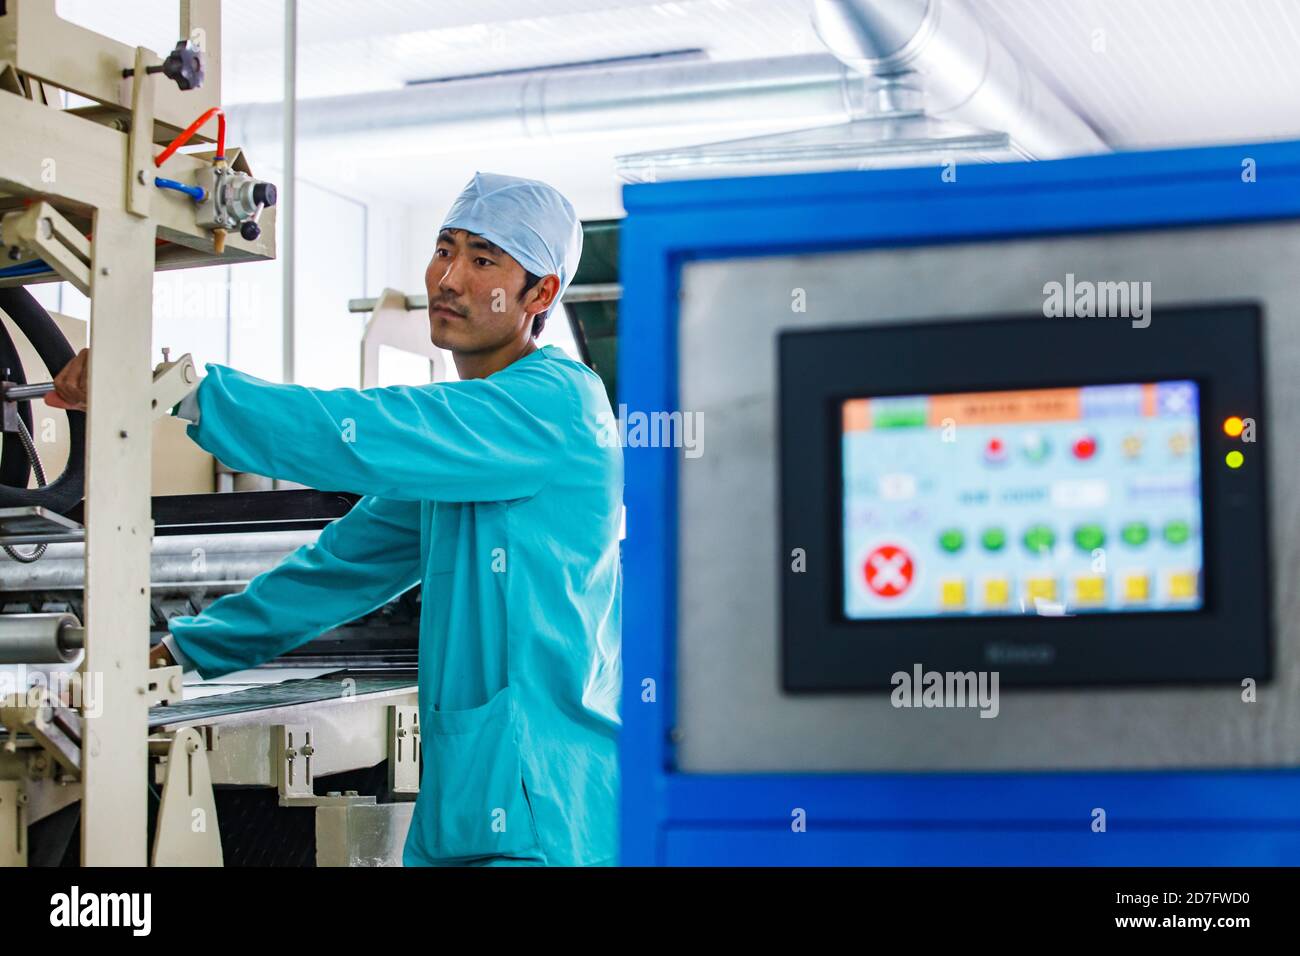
<point x="65" y="491"/>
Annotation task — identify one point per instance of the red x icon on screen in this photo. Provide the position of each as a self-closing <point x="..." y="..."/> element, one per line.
<point x="888" y="570"/>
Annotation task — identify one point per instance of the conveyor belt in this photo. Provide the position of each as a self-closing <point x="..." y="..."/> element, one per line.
<point x="271" y="696"/>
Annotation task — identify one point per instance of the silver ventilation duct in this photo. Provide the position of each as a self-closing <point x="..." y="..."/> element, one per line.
<point x="433" y="117"/>
<point x="977" y="95"/>
<point x="942" y="90"/>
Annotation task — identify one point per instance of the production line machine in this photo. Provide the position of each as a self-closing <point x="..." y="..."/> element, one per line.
<point x="314" y="758"/>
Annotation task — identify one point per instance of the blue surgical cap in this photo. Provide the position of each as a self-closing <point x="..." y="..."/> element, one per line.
<point x="528" y="219"/>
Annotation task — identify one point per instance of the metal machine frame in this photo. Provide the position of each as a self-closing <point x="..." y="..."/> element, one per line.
<point x="93" y="167"/>
<point x="304" y="736"/>
<point x="670" y="817"/>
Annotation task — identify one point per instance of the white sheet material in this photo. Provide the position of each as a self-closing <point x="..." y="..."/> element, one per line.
<point x="196" y="686"/>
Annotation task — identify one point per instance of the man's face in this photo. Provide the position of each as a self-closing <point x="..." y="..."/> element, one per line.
<point x="474" y="291"/>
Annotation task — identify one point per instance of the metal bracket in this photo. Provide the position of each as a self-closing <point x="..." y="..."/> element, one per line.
<point x="56" y="729"/>
<point x="404" y="751"/>
<point x="32" y="524"/>
<point x="139" y="179"/>
<point x="172" y="381"/>
<point x="42" y="230"/>
<point x="186" y="833"/>
<point x="292" y="751"/>
<point x="8" y="411"/>
<point x="164" y="685"/>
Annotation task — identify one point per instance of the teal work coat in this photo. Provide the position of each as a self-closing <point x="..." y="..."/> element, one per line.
<point x="501" y="496"/>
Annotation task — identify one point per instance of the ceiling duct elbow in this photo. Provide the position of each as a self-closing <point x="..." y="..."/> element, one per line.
<point x="968" y="74"/>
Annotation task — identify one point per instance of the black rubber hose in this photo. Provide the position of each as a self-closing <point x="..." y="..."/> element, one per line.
<point x="15" y="469"/>
<point x="35" y="323"/>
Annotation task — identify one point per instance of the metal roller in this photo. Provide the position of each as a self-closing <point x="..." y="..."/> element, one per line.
<point x="40" y="638"/>
<point x="219" y="562"/>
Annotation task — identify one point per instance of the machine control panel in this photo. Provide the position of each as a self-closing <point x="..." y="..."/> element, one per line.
<point x="1067" y="501"/>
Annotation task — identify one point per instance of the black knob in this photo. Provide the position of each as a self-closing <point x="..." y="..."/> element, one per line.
<point x="184" y="65"/>
<point x="264" y="194"/>
<point x="250" y="230"/>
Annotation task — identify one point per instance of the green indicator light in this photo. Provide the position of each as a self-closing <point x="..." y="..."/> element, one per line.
<point x="1089" y="537"/>
<point x="952" y="540"/>
<point x="901" y="417"/>
<point x="1177" y="532"/>
<point x="994" y="539"/>
<point x="1040" y="539"/>
<point x="1235" y="459"/>
<point x="1135" y="534"/>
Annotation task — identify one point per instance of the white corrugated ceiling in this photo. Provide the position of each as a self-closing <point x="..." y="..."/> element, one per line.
<point x="1163" y="72"/>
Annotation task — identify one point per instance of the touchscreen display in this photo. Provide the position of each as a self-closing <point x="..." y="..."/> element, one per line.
<point x="1051" y="501"/>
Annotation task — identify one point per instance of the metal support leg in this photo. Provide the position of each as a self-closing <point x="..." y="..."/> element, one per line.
<point x="118" y="536"/>
<point x="13" y="824"/>
<point x="187" y="832"/>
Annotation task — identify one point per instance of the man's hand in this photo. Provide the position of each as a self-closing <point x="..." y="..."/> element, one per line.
<point x="161" y="657"/>
<point x="70" y="384"/>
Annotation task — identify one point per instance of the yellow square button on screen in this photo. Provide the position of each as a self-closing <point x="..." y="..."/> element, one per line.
<point x="1137" y="587"/>
<point x="997" y="592"/>
<point x="1182" y="585"/>
<point x="952" y="593"/>
<point x="1040" y="589"/>
<point x="1089" y="589"/>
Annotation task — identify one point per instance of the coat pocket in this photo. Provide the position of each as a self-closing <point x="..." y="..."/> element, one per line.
<point x="472" y="799"/>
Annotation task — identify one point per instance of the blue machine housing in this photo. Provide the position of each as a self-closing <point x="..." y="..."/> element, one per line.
<point x="1229" y="817"/>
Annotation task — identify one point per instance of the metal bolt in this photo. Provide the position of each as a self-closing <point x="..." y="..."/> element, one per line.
<point x="103" y="270"/>
<point x="167" y="354"/>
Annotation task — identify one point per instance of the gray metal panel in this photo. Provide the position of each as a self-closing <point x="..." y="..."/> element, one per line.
<point x="362" y="835"/>
<point x="732" y="714"/>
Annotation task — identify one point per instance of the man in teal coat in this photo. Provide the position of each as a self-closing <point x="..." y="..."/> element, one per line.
<point x="500" y="495"/>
